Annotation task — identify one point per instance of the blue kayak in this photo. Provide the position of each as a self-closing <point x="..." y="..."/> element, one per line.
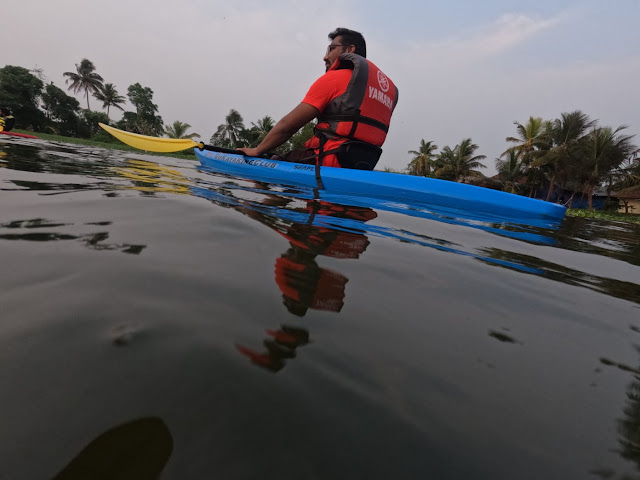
<point x="383" y="185"/>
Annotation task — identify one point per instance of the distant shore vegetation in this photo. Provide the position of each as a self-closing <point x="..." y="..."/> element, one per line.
<point x="558" y="160"/>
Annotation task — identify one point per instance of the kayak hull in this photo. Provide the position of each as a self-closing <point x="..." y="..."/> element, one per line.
<point x="16" y="134"/>
<point x="383" y="185"/>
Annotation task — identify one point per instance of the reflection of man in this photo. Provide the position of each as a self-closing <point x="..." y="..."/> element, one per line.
<point x="302" y="282"/>
<point x="281" y="346"/>
<point x="305" y="285"/>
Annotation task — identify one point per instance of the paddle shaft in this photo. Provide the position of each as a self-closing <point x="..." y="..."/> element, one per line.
<point x="212" y="148"/>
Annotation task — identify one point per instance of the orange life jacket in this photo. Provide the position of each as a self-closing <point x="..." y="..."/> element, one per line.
<point x="361" y="115"/>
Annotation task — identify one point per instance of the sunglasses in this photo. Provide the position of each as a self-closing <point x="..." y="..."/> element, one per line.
<point x="331" y="47"/>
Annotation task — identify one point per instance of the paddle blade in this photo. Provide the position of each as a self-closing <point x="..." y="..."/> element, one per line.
<point x="151" y="144"/>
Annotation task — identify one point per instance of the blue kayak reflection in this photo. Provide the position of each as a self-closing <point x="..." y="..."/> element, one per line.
<point x="282" y="207"/>
<point x="502" y="223"/>
<point x="313" y="228"/>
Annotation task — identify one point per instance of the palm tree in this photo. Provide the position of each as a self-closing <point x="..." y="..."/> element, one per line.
<point x="627" y="175"/>
<point x="565" y="133"/>
<point x="229" y="133"/>
<point x="532" y="138"/>
<point x="179" y="130"/>
<point x="626" y="179"/>
<point x="109" y="97"/>
<point x="421" y="163"/>
<point x="510" y="170"/>
<point x="531" y="141"/>
<point x="84" y="79"/>
<point x="603" y="150"/>
<point x="263" y="126"/>
<point x="460" y="162"/>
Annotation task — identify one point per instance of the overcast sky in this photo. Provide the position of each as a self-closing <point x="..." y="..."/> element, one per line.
<point x="464" y="68"/>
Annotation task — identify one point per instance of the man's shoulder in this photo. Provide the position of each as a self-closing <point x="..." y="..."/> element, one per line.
<point x="340" y="73"/>
<point x="335" y="77"/>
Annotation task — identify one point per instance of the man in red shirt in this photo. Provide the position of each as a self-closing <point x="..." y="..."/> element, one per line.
<point x="353" y="102"/>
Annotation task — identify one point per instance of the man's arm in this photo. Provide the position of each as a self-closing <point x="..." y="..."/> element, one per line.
<point x="284" y="129"/>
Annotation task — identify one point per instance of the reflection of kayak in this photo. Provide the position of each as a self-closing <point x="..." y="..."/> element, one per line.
<point x="384" y="185"/>
<point x="16" y="134"/>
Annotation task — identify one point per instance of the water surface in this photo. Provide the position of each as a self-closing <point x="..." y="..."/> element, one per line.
<point x="206" y="326"/>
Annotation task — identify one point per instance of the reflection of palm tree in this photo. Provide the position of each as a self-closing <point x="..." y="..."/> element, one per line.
<point x="179" y="130"/>
<point x="84" y="79"/>
<point x="109" y="97"/>
<point x="421" y="162"/>
<point x="460" y="162"/>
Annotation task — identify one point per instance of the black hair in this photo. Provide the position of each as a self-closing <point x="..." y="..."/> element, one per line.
<point x="351" y="37"/>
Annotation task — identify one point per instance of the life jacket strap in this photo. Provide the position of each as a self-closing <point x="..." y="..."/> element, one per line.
<point x="355" y="118"/>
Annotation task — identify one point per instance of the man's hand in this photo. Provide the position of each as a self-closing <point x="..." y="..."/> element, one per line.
<point x="250" y="152"/>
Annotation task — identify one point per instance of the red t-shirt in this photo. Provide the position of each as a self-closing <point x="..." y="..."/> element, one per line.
<point x="328" y="87"/>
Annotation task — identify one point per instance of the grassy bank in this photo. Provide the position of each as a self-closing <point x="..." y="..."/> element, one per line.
<point x="187" y="154"/>
<point x="619" y="217"/>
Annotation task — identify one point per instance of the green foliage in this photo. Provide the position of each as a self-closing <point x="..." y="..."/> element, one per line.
<point x="460" y="163"/>
<point x="297" y="141"/>
<point x="61" y="111"/>
<point x="20" y="92"/>
<point x="510" y="170"/>
<point x="259" y="130"/>
<point x="231" y="134"/>
<point x="602" y="151"/>
<point x="626" y="178"/>
<point x="103" y="137"/>
<point x="145" y="119"/>
<point x="564" y="134"/>
<point x="89" y="123"/>
<point x="532" y="139"/>
<point x="616" y="216"/>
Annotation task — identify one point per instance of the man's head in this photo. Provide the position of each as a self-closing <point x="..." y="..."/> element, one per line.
<point x="344" y="40"/>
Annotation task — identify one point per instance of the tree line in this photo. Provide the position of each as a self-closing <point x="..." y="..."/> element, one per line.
<point x="47" y="108"/>
<point x="571" y="153"/>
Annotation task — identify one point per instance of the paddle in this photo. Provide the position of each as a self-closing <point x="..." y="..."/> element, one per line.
<point x="165" y="145"/>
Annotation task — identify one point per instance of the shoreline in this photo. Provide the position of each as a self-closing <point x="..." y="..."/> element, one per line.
<point x="573" y="212"/>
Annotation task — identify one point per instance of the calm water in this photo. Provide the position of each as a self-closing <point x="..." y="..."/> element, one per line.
<point x="158" y="318"/>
